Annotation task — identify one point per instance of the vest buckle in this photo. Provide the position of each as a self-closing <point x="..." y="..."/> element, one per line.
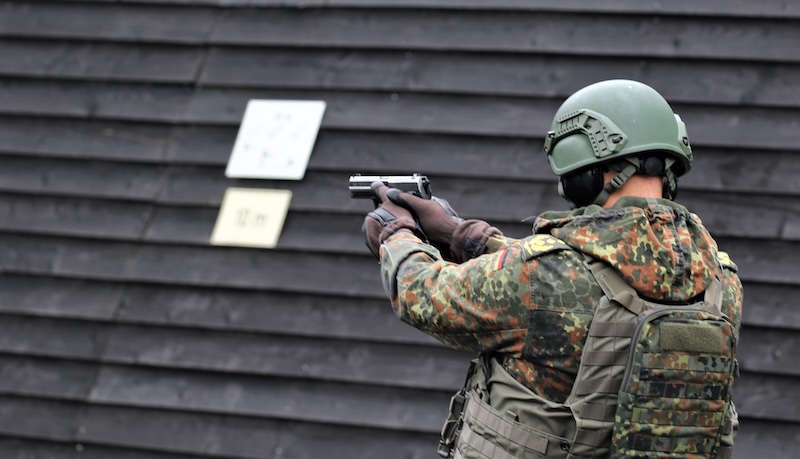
<point x="452" y="426"/>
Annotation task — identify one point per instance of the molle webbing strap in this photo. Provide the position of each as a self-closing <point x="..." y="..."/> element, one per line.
<point x="598" y="385"/>
<point x="725" y="452"/>
<point x="604" y="358"/>
<point x="642" y="442"/>
<point x="479" y="414"/>
<point x="593" y="437"/>
<point x="599" y="411"/>
<point x="713" y="296"/>
<point x="615" y="287"/>
<point x="608" y="329"/>
<point x="480" y="444"/>
<point x="594" y="394"/>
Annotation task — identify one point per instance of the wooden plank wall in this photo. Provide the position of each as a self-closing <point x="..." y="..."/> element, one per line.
<point x="124" y="334"/>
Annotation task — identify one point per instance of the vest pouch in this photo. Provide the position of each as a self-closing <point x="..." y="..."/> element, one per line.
<point x="674" y="396"/>
<point x="524" y="425"/>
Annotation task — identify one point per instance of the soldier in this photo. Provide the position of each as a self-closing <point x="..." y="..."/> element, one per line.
<point x="611" y="331"/>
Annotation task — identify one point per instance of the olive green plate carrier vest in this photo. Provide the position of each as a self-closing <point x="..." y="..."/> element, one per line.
<point x="654" y="381"/>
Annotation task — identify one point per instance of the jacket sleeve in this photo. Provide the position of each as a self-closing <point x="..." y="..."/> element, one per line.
<point x="476" y="305"/>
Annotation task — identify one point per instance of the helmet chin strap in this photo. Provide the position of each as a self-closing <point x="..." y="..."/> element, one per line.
<point x="625" y="172"/>
<point x="670" y="183"/>
<point x="627" y="168"/>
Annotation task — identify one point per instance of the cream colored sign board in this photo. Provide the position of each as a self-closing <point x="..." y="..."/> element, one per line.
<point x="275" y="139"/>
<point x="251" y="217"/>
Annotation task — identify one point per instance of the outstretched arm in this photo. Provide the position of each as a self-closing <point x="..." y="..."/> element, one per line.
<point x="477" y="305"/>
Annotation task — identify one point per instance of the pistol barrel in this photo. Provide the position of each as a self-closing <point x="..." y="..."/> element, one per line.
<point x="361" y="185"/>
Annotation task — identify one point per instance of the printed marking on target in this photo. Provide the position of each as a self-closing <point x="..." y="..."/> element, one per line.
<point x="275" y="139"/>
<point x="251" y="217"/>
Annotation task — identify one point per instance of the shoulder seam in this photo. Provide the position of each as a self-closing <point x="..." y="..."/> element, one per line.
<point x="541" y="244"/>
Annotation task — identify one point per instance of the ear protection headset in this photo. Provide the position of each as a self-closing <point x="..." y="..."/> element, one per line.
<point x="586" y="186"/>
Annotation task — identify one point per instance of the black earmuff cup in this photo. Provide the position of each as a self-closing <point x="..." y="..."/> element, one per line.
<point x="582" y="187"/>
<point x="652" y="166"/>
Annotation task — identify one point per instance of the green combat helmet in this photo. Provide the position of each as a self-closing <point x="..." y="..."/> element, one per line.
<point x="621" y="125"/>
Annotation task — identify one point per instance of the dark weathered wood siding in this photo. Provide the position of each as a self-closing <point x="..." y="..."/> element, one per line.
<point x="124" y="334"/>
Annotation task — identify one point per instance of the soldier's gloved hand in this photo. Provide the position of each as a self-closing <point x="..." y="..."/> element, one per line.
<point x="463" y="239"/>
<point x="385" y="220"/>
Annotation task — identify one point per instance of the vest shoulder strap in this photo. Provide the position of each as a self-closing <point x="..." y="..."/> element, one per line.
<point x="726" y="262"/>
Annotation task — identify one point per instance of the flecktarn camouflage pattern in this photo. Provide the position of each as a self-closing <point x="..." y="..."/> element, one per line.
<point x="530" y="305"/>
<point x="676" y="397"/>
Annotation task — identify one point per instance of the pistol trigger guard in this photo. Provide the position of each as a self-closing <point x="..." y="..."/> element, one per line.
<point x="419" y="232"/>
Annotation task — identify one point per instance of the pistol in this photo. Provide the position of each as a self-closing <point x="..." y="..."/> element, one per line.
<point x="420" y="186"/>
<point x="416" y="184"/>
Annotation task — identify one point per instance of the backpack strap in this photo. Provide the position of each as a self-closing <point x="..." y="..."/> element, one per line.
<point x="615" y="287"/>
<point x="713" y="296"/>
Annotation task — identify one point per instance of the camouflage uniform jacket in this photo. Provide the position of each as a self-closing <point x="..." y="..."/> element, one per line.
<point x="531" y="303"/>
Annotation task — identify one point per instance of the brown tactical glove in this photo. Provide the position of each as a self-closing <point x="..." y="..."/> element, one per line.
<point x="459" y="240"/>
<point x="385" y="220"/>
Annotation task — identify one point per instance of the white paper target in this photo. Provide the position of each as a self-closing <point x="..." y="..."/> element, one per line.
<point x="275" y="139"/>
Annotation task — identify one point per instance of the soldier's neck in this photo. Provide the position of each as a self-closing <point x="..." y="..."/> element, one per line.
<point x="638" y="185"/>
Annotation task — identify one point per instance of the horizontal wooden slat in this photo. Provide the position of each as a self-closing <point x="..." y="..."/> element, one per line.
<point x="87" y="178"/>
<point x="748" y="82"/>
<point x="16" y="448"/>
<point x="767" y="397"/>
<point x="107" y="22"/>
<point x="773" y="439"/>
<point x="163" y="64"/>
<point x="714" y="82"/>
<point x="51" y="420"/>
<point x="512" y="31"/>
<point x="380" y="152"/>
<point x="217" y="266"/>
<point x="423" y="113"/>
<point x="771" y="305"/>
<point x="109" y="219"/>
<point x="769" y="8"/>
<point x="301" y="400"/>
<point x="207" y="435"/>
<point x="768" y="350"/>
<point x="112" y="140"/>
<point x="516" y="31"/>
<point x="206" y="308"/>
<point x="60" y="297"/>
<point x="397" y="365"/>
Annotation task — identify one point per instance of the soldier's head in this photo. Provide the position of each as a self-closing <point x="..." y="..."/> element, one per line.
<point x="607" y="132"/>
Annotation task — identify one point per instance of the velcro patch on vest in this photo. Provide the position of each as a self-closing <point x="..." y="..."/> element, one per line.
<point x="700" y="338"/>
<point x="540" y="244"/>
<point x="725" y="261"/>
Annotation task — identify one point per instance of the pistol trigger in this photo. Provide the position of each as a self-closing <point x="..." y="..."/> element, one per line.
<point x="420" y="233"/>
